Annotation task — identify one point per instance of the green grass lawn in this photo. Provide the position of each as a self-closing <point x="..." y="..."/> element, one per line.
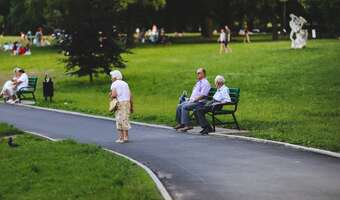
<point x="286" y="95"/>
<point x="40" y="169"/>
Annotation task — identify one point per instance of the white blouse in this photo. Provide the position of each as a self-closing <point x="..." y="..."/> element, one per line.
<point x="222" y="95"/>
<point x="122" y="89"/>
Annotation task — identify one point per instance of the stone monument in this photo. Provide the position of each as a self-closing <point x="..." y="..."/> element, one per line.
<point x="298" y="35"/>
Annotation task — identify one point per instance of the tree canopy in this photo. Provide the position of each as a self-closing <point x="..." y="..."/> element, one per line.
<point x="179" y="15"/>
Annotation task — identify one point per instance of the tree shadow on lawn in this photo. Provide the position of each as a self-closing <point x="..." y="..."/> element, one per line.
<point x="82" y="84"/>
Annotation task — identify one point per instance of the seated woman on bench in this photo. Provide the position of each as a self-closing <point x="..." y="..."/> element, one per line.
<point x="221" y="96"/>
<point x="19" y="81"/>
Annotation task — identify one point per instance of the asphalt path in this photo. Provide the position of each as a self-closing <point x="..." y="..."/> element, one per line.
<point x="199" y="167"/>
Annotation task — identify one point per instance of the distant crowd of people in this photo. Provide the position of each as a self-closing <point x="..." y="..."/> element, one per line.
<point x="26" y="41"/>
<point x="153" y="36"/>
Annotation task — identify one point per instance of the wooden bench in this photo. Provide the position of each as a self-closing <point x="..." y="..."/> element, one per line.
<point x="225" y="108"/>
<point x="32" y="85"/>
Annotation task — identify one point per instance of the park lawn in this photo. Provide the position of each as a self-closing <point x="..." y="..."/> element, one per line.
<point x="40" y="169"/>
<point x="286" y="95"/>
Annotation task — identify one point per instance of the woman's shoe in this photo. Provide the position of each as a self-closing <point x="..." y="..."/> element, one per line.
<point x="10" y="101"/>
<point x="119" y="141"/>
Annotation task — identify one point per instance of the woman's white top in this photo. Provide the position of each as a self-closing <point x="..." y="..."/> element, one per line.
<point x="222" y="95"/>
<point x="24" y="81"/>
<point x="122" y="89"/>
<point x="223" y="37"/>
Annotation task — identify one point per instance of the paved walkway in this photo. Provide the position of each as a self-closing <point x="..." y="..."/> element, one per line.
<point x="198" y="167"/>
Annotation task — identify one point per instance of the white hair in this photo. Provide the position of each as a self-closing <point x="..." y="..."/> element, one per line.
<point x="16" y="69"/>
<point x="116" y="74"/>
<point x="219" y="79"/>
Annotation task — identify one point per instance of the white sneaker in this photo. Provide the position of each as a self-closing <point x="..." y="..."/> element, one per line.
<point x="10" y="101"/>
<point x="120" y="141"/>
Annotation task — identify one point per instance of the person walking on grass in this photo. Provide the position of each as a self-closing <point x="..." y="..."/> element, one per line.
<point x="246" y="38"/>
<point x="220" y="97"/>
<point x="222" y="40"/>
<point x="228" y="39"/>
<point x="196" y="100"/>
<point x="121" y="91"/>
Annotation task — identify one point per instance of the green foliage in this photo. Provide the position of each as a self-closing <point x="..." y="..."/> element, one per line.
<point x="325" y="14"/>
<point x="93" y="44"/>
<point x="39" y="169"/>
<point x="8" y="130"/>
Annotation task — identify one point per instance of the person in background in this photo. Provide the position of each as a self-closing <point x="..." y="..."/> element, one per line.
<point x="197" y="99"/>
<point x="246" y="38"/>
<point x="223" y="41"/>
<point x="228" y="39"/>
<point x="121" y="91"/>
<point x="221" y="96"/>
<point x="38" y="37"/>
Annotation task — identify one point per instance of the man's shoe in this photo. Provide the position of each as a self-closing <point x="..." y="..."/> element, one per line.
<point x="203" y="130"/>
<point x="178" y="126"/>
<point x="185" y="129"/>
<point x="206" y="131"/>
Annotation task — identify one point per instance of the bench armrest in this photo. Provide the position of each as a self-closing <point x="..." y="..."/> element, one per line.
<point x="23" y="89"/>
<point x="218" y="106"/>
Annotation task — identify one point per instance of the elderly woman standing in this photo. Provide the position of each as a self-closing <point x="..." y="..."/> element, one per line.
<point x="121" y="91"/>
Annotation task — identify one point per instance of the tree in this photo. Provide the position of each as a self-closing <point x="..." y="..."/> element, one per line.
<point x="4" y="10"/>
<point x="325" y="15"/>
<point x="133" y="14"/>
<point x="93" y="44"/>
<point x="24" y="15"/>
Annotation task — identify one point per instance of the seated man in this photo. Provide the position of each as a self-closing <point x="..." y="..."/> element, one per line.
<point x="197" y="99"/>
<point x="11" y="87"/>
<point x="221" y="96"/>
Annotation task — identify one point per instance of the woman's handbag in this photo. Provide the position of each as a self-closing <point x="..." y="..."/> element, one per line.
<point x="113" y="105"/>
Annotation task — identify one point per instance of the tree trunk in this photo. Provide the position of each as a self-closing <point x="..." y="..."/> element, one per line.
<point x="130" y="27"/>
<point x="130" y="41"/>
<point x="91" y="77"/>
<point x="275" y="35"/>
<point x="207" y="28"/>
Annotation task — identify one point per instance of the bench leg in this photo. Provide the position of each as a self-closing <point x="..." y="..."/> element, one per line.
<point x="237" y="126"/>
<point x="213" y="123"/>
<point x="19" y="97"/>
<point x="34" y="97"/>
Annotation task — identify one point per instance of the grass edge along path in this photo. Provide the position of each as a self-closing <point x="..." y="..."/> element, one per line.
<point x="41" y="169"/>
<point x="286" y="95"/>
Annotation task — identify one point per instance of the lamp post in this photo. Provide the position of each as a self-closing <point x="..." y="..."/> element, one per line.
<point x="284" y="15"/>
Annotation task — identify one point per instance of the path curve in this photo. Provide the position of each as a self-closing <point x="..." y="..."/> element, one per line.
<point x="196" y="167"/>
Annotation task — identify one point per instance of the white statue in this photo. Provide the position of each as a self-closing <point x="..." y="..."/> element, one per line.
<point x="298" y="35"/>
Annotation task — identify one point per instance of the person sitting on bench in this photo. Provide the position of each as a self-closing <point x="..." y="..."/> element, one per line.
<point x="11" y="87"/>
<point x="197" y="99"/>
<point x="8" y="89"/>
<point x="221" y="96"/>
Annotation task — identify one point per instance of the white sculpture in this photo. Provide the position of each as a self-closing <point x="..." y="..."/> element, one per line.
<point x="298" y="35"/>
